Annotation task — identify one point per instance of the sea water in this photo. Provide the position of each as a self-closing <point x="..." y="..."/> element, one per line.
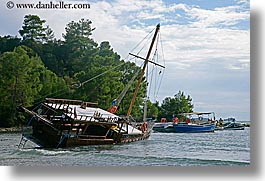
<point x="220" y="148"/>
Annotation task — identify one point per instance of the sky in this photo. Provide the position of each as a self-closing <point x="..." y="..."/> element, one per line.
<point x="206" y="43"/>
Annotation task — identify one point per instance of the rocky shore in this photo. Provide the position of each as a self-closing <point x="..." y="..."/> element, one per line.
<point x="10" y="130"/>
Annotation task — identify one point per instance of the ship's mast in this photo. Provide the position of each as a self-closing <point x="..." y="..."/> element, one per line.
<point x="143" y="70"/>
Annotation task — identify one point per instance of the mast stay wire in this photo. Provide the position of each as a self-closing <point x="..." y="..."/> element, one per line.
<point x="81" y="84"/>
<point x="56" y="93"/>
<point x="143" y="40"/>
<point x="151" y="77"/>
<point x="78" y="85"/>
<point x="122" y="94"/>
<point x="163" y="58"/>
<point x="156" y="83"/>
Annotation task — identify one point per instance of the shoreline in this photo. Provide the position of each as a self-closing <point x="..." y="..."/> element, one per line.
<point x="10" y="130"/>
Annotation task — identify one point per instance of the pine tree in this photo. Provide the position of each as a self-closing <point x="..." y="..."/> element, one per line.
<point x="19" y="84"/>
<point x="172" y="106"/>
<point x="79" y="45"/>
<point x="24" y="79"/>
<point x="33" y="28"/>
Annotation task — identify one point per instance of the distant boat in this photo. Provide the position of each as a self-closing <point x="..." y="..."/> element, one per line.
<point x="196" y="122"/>
<point x="229" y="124"/>
<point x="163" y="126"/>
<point x="233" y="126"/>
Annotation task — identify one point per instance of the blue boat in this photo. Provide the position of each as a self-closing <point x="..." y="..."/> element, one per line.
<point x="196" y="122"/>
<point x="193" y="128"/>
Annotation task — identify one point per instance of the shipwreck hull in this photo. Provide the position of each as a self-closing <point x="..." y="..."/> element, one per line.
<point x="80" y="126"/>
<point x="47" y="136"/>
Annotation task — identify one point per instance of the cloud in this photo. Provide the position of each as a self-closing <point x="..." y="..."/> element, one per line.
<point x="200" y="44"/>
<point x="189" y="45"/>
<point x="219" y="17"/>
<point x="124" y="23"/>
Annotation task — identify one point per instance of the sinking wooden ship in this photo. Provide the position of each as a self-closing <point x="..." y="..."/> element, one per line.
<point x="66" y="123"/>
<point x="60" y="123"/>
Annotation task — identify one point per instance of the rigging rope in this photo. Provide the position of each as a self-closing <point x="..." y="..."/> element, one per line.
<point x="61" y="91"/>
<point x="154" y="66"/>
<point x="163" y="58"/>
<point x="122" y="94"/>
<point x="154" y="85"/>
<point x="143" y="40"/>
<point x="81" y="84"/>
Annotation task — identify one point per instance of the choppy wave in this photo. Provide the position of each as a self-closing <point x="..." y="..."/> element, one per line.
<point x="40" y="152"/>
<point x="133" y="160"/>
<point x="162" y="149"/>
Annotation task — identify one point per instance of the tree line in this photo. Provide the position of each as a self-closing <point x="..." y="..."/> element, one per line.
<point x="36" y="65"/>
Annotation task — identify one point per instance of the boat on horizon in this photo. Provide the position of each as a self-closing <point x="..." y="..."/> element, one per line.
<point x="163" y="126"/>
<point x="230" y="124"/>
<point x="233" y="126"/>
<point x="194" y="122"/>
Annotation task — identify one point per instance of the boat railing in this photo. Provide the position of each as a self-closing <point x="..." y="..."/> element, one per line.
<point x="92" y="118"/>
<point x="67" y="114"/>
<point x="63" y="101"/>
<point x="67" y="102"/>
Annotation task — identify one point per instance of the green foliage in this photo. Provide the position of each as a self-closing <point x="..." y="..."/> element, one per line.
<point x="33" y="29"/>
<point x="79" y="46"/>
<point x="39" y="66"/>
<point x="8" y="43"/>
<point x="24" y="79"/>
<point x="175" y="105"/>
<point x="49" y="34"/>
<point x="152" y="110"/>
<point x="19" y="84"/>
